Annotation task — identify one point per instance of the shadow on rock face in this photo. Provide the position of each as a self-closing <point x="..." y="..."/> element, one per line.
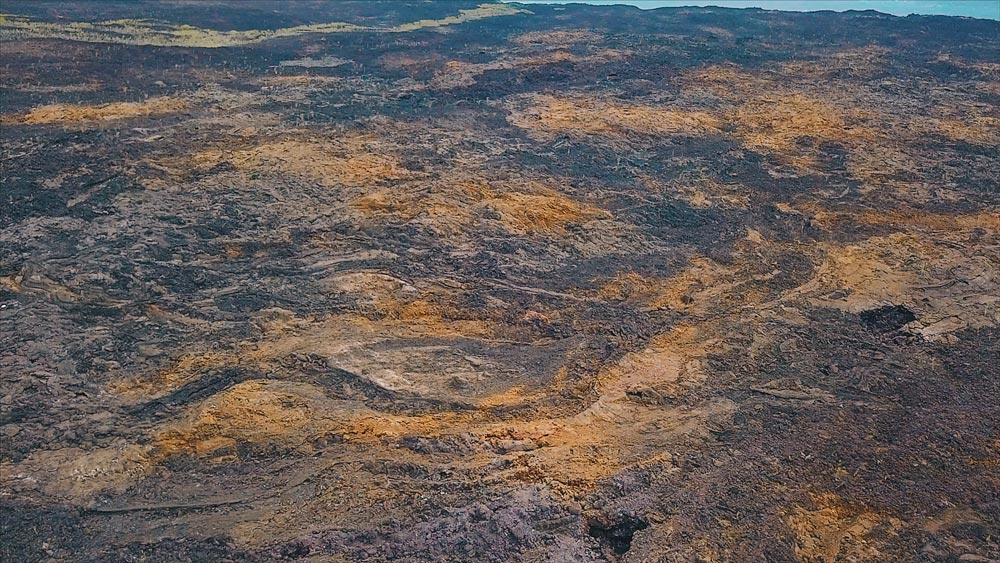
<point x="888" y="318"/>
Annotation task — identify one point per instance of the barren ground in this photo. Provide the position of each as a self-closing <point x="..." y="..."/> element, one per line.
<point x="331" y="281"/>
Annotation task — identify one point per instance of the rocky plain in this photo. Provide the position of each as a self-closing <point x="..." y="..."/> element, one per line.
<point x="411" y="281"/>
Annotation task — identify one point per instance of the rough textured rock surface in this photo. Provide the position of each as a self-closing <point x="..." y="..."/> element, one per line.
<point x="444" y="282"/>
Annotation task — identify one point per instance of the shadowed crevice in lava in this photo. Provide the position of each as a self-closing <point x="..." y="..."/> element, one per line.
<point x="617" y="533"/>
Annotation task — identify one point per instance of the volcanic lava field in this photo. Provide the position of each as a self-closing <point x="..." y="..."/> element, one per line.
<point x="410" y="281"/>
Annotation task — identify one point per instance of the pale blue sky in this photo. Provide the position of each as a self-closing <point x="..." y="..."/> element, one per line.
<point x="989" y="9"/>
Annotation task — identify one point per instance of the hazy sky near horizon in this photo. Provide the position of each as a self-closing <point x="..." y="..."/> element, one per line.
<point x="988" y="9"/>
